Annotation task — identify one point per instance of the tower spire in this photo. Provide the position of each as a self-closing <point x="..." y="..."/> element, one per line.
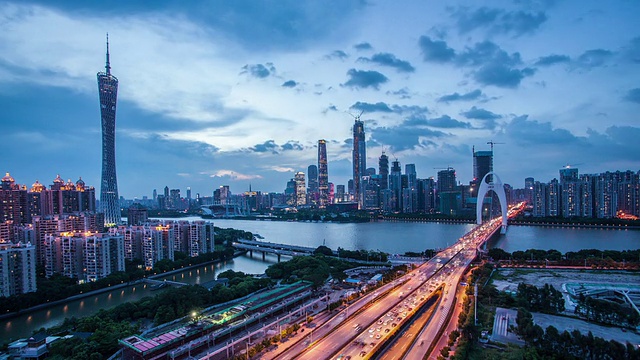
<point x="108" y="66"/>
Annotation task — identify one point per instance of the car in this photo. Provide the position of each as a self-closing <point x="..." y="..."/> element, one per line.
<point x="386" y="330"/>
<point x="394" y="325"/>
<point x="363" y="353"/>
<point x="378" y="336"/>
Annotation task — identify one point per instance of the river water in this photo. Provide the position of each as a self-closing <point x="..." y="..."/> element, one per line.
<point x="390" y="237"/>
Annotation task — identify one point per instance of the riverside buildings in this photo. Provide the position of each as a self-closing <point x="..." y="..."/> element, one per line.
<point x="17" y="268"/>
<point x="359" y="160"/>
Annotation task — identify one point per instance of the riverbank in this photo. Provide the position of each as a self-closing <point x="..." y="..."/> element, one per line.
<point x="110" y="288"/>
<point x="579" y="225"/>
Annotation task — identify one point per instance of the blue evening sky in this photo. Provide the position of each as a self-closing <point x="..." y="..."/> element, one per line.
<point x="238" y="92"/>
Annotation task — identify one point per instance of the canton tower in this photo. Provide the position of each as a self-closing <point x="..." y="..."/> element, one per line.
<point x="108" y="91"/>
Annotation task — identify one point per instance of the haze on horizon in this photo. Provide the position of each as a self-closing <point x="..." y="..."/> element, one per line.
<point x="239" y="93"/>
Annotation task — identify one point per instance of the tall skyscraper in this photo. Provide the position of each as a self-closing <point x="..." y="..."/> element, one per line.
<point x="323" y="173"/>
<point x="359" y="159"/>
<point x="108" y="91"/>
<point x="312" y="183"/>
<point x="395" y="185"/>
<point x="383" y="170"/>
<point x="446" y="180"/>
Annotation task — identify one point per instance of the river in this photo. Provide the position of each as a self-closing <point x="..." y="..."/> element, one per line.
<point x="390" y="237"/>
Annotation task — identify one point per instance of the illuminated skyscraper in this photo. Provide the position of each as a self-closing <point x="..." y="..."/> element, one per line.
<point x="323" y="173"/>
<point x="383" y="170"/>
<point x="301" y="193"/>
<point x="312" y="184"/>
<point x="359" y="159"/>
<point x="108" y="91"/>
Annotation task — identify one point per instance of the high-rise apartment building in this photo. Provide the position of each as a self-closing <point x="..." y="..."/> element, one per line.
<point x="108" y="91"/>
<point x="446" y="180"/>
<point x="482" y="164"/>
<point x="323" y="174"/>
<point x="17" y="269"/>
<point x="359" y="160"/>
<point x="301" y="192"/>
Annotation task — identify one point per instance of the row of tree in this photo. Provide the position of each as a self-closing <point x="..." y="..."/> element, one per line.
<point x="606" y="312"/>
<point x="316" y="269"/>
<point x="571" y="258"/>
<point x="552" y="344"/>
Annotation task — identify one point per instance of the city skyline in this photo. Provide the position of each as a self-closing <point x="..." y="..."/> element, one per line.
<point x="217" y="109"/>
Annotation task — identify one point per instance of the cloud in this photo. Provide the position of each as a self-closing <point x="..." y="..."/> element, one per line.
<point x="402" y="93"/>
<point x="270" y="146"/>
<point x="447" y="122"/>
<point x="593" y="58"/>
<point x="487" y="52"/>
<point x="533" y="132"/>
<point x="281" y="169"/>
<point x="472" y="95"/>
<point x="633" y="95"/>
<point x="289" y="84"/>
<point x="435" y="51"/>
<point x="403" y="136"/>
<point x="480" y="114"/>
<point x="498" y="20"/>
<point x="365" y="79"/>
<point x="363" y="46"/>
<point x="632" y="52"/>
<point x="337" y="54"/>
<point x="369" y="108"/>
<point x="234" y="175"/>
<point x="386" y="59"/>
<point x="267" y="146"/>
<point x="292" y="145"/>
<point x="258" y="70"/>
<point x="552" y="60"/>
<point x="501" y="76"/>
<point x="386" y="108"/>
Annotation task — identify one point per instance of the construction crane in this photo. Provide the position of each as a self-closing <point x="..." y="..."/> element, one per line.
<point x="494" y="143"/>
<point x="443" y="168"/>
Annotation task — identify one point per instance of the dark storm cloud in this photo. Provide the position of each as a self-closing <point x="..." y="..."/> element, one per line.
<point x="552" y="60"/>
<point x="435" y="51"/>
<point x="472" y="95"/>
<point x="386" y="59"/>
<point x="258" y="70"/>
<point x="501" y="76"/>
<point x="290" y="84"/>
<point x="365" y="79"/>
<point x="633" y="95"/>
<point x="498" y="20"/>
<point x="593" y="58"/>
<point x="363" y="46"/>
<point x="337" y="54"/>
<point x="480" y="114"/>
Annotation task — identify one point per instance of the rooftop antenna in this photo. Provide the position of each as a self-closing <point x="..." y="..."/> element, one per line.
<point x="108" y="66"/>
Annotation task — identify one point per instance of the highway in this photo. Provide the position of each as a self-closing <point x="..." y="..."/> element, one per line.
<point x="363" y="334"/>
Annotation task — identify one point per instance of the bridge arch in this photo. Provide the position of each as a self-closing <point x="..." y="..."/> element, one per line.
<point x="497" y="187"/>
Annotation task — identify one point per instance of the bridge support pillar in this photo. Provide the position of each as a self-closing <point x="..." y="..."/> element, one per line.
<point x="250" y="253"/>
<point x="278" y="257"/>
<point x="263" y="255"/>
